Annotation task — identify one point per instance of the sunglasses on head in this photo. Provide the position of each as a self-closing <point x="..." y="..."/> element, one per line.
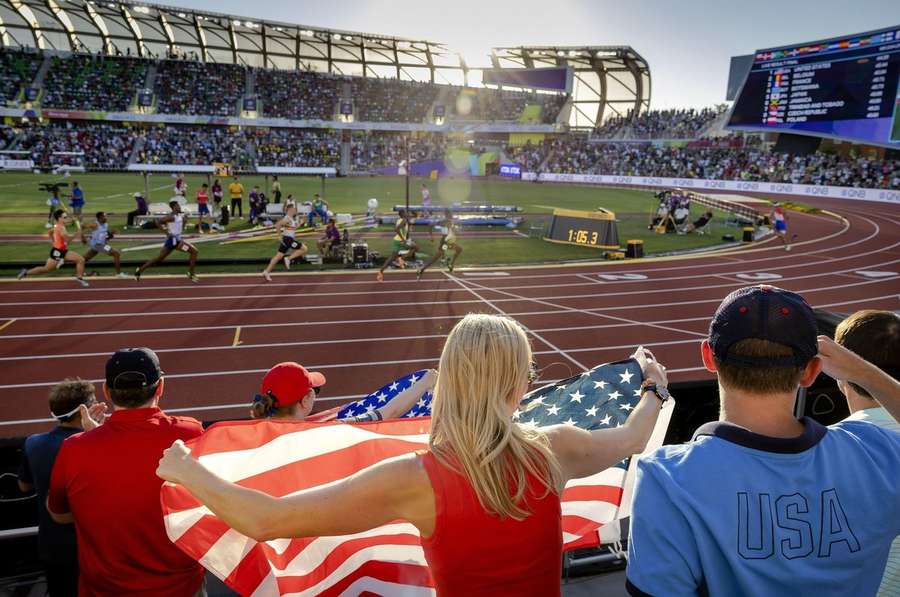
<point x="533" y="372"/>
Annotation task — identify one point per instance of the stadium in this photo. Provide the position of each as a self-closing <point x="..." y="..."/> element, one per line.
<point x="236" y="208"/>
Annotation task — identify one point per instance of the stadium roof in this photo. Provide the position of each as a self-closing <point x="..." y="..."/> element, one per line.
<point x="606" y="80"/>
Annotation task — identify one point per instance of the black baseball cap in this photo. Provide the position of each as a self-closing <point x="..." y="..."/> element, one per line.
<point x="130" y="368"/>
<point x="767" y="313"/>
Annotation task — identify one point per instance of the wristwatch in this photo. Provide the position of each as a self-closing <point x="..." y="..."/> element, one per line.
<point x="661" y="392"/>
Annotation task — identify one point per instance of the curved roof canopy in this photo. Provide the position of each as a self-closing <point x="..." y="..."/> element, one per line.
<point x="607" y="80"/>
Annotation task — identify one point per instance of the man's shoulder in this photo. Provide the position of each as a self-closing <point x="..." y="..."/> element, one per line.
<point x="677" y="460"/>
<point x="864" y="431"/>
<point x="188" y="424"/>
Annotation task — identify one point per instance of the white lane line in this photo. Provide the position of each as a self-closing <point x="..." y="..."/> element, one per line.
<point x="203" y="374"/>
<point x="188" y="409"/>
<point x="515" y="298"/>
<point x="747" y="278"/>
<point x="287" y="324"/>
<point x="570" y="358"/>
<point x="705" y="266"/>
<point x="586" y="311"/>
<point x="747" y="275"/>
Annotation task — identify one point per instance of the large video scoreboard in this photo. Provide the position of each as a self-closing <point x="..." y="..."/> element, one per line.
<point x="844" y="87"/>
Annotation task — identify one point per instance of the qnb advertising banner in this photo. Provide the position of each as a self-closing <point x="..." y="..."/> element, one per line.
<point x="511" y="170"/>
<point x="774" y="188"/>
<point x="8" y="164"/>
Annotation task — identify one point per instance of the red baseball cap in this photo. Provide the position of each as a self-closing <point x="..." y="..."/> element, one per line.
<point x="290" y="382"/>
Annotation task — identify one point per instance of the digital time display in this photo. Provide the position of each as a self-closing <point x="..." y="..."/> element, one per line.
<point x="585" y="228"/>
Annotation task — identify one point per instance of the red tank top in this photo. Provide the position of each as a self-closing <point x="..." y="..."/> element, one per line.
<point x="473" y="553"/>
<point x="59" y="239"/>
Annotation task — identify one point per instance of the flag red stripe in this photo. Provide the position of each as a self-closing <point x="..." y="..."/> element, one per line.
<point x="202" y="535"/>
<point x="229" y="436"/>
<point x="249" y="572"/>
<point x="280" y="561"/>
<point x="396" y="572"/>
<point x="604" y="493"/>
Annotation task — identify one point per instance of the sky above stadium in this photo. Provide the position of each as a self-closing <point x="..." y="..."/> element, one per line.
<point x="687" y="44"/>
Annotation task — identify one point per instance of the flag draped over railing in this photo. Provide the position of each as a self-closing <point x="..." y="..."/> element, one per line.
<point x="282" y="458"/>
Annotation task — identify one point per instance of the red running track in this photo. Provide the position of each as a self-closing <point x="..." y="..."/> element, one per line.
<point x="216" y="338"/>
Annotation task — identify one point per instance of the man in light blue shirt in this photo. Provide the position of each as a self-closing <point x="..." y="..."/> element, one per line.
<point x="875" y="336"/>
<point x="760" y="503"/>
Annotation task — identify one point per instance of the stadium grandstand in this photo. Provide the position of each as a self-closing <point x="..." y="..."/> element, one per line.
<point x="528" y="240"/>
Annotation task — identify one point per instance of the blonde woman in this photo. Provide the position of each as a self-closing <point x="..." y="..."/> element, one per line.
<point x="485" y="496"/>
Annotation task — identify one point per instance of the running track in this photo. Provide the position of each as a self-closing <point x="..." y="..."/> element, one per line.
<point x="216" y="338"/>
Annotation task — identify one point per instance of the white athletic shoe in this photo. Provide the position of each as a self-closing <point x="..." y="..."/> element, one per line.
<point x="287" y="263"/>
<point x="22" y="273"/>
<point x="123" y="275"/>
<point x="787" y="247"/>
<point x="83" y="283"/>
<point x="267" y="276"/>
<point x="193" y="277"/>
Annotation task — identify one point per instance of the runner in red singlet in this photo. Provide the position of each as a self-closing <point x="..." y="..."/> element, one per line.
<point x="59" y="253"/>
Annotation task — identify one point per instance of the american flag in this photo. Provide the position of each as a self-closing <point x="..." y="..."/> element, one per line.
<point x="385" y="394"/>
<point x="281" y="458"/>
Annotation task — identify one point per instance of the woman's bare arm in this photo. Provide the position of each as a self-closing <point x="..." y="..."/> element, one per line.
<point x="397" y="488"/>
<point x="582" y="453"/>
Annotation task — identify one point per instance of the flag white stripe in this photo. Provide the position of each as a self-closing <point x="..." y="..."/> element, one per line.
<point x="321" y="548"/>
<point x="611" y="476"/>
<point x="294" y="447"/>
<point x="226" y="553"/>
<point x="267" y="587"/>
<point x="595" y="510"/>
<point x="380" y="587"/>
<point x="178" y="523"/>
<point x="407" y="554"/>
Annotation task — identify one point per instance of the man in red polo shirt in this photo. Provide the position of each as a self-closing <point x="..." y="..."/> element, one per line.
<point x="105" y="482"/>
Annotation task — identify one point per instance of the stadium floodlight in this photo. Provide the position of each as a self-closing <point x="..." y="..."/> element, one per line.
<point x="306" y="33"/>
<point x="348" y="38"/>
<point x="182" y="15"/>
<point x="142" y="10"/>
<point x="336" y="36"/>
<point x="560" y="53"/>
<point x="235" y="22"/>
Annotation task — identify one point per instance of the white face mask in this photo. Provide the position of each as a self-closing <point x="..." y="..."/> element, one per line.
<point x="68" y="414"/>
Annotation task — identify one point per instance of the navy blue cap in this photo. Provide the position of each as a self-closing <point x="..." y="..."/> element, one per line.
<point x="766" y="313"/>
<point x="130" y="368"/>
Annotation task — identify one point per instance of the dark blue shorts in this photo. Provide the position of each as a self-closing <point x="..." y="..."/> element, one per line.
<point x="780" y="226"/>
<point x="203" y="208"/>
<point x="172" y="242"/>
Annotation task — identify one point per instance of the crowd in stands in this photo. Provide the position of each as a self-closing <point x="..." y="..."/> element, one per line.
<point x="298" y="147"/>
<point x="687" y="535"/>
<point x="17" y="70"/>
<point x="297" y="95"/>
<point x="486" y="104"/>
<point x="93" y="82"/>
<point x="659" y="124"/>
<point x="108" y="146"/>
<point x="196" y="145"/>
<point x="712" y="159"/>
<point x="7" y="135"/>
<point x="378" y="149"/>
<point x="530" y="155"/>
<point x="385" y="100"/>
<point x="105" y="146"/>
<point x="192" y="87"/>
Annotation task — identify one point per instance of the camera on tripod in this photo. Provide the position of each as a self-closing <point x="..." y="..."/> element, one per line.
<point x="52" y="187"/>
